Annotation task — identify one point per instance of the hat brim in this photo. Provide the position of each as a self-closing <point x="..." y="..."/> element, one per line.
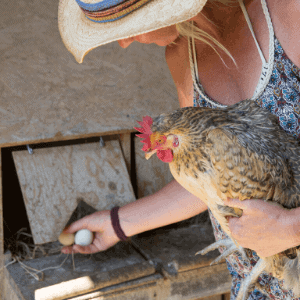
<point x="80" y="35"/>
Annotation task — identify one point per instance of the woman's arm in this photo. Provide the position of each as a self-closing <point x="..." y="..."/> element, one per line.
<point x="169" y="205"/>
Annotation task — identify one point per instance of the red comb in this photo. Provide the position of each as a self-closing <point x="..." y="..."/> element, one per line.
<point x="145" y="132"/>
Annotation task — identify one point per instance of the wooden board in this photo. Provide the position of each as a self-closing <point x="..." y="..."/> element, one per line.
<point x="190" y="275"/>
<point x="125" y="140"/>
<point x="152" y="174"/>
<point x="10" y="290"/>
<point x="202" y="282"/>
<point x="217" y="297"/>
<point x="54" y="180"/>
<point x="175" y="248"/>
<point x="114" y="266"/>
<point x="46" y="95"/>
<point x="194" y="284"/>
<point x="227" y="296"/>
<point x="120" y="273"/>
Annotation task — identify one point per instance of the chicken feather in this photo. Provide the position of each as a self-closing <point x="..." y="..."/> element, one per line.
<point x="236" y="152"/>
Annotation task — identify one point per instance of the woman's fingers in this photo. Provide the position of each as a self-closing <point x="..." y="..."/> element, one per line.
<point x="91" y="222"/>
<point x="100" y="224"/>
<point x="83" y="223"/>
<point x="66" y="249"/>
<point x="80" y="249"/>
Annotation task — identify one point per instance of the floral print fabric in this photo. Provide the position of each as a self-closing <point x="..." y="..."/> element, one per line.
<point x="282" y="98"/>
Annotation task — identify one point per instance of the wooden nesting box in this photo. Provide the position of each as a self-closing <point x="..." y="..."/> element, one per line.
<point x="46" y="97"/>
<point x="54" y="180"/>
<point x="158" y="265"/>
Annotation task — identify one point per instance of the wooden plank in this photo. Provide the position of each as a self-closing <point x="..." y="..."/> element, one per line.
<point x="157" y="287"/>
<point x="152" y="175"/>
<point x="11" y="290"/>
<point x="190" y="275"/>
<point x="116" y="265"/>
<point x="175" y="248"/>
<point x="125" y="140"/>
<point x="226" y="296"/>
<point x="203" y="282"/>
<point x="142" y="288"/>
<point x="54" y="180"/>
<point x="46" y="95"/>
<point x="216" y="297"/>
<point x="199" y="284"/>
<point x="121" y="277"/>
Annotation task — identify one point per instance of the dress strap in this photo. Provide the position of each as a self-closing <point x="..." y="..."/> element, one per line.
<point x="267" y="67"/>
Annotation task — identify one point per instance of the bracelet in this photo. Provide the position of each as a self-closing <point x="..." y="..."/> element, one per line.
<point x="116" y="224"/>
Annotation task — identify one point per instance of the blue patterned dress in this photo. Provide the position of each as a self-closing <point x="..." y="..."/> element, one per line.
<point x="282" y="98"/>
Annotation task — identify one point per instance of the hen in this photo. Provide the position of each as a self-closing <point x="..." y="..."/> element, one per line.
<point x="236" y="152"/>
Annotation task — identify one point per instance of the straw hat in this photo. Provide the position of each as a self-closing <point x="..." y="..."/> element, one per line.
<point x="80" y="34"/>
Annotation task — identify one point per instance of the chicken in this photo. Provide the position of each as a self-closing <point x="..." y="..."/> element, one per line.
<point x="236" y="152"/>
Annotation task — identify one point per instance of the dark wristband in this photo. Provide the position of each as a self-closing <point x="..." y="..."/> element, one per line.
<point x="116" y="224"/>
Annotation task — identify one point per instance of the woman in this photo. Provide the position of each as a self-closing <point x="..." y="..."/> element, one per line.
<point x="239" y="55"/>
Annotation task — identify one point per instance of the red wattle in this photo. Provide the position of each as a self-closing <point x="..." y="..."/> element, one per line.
<point x="165" y="155"/>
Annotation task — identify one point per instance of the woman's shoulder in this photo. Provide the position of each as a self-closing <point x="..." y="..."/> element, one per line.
<point x="177" y="58"/>
<point x="285" y="17"/>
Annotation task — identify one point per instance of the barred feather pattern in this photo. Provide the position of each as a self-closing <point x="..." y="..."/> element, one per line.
<point x="252" y="140"/>
<point x="239" y="152"/>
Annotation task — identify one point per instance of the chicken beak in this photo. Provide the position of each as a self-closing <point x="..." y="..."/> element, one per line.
<point x="149" y="154"/>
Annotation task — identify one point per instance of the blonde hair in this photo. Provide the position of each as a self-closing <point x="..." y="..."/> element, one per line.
<point x="189" y="30"/>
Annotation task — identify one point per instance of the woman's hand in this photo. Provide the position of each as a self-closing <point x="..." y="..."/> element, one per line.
<point x="265" y="227"/>
<point x="100" y="224"/>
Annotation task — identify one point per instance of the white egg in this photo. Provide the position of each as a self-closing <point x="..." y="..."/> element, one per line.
<point x="84" y="237"/>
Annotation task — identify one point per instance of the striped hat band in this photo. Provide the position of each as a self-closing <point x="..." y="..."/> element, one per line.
<point x="109" y="10"/>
